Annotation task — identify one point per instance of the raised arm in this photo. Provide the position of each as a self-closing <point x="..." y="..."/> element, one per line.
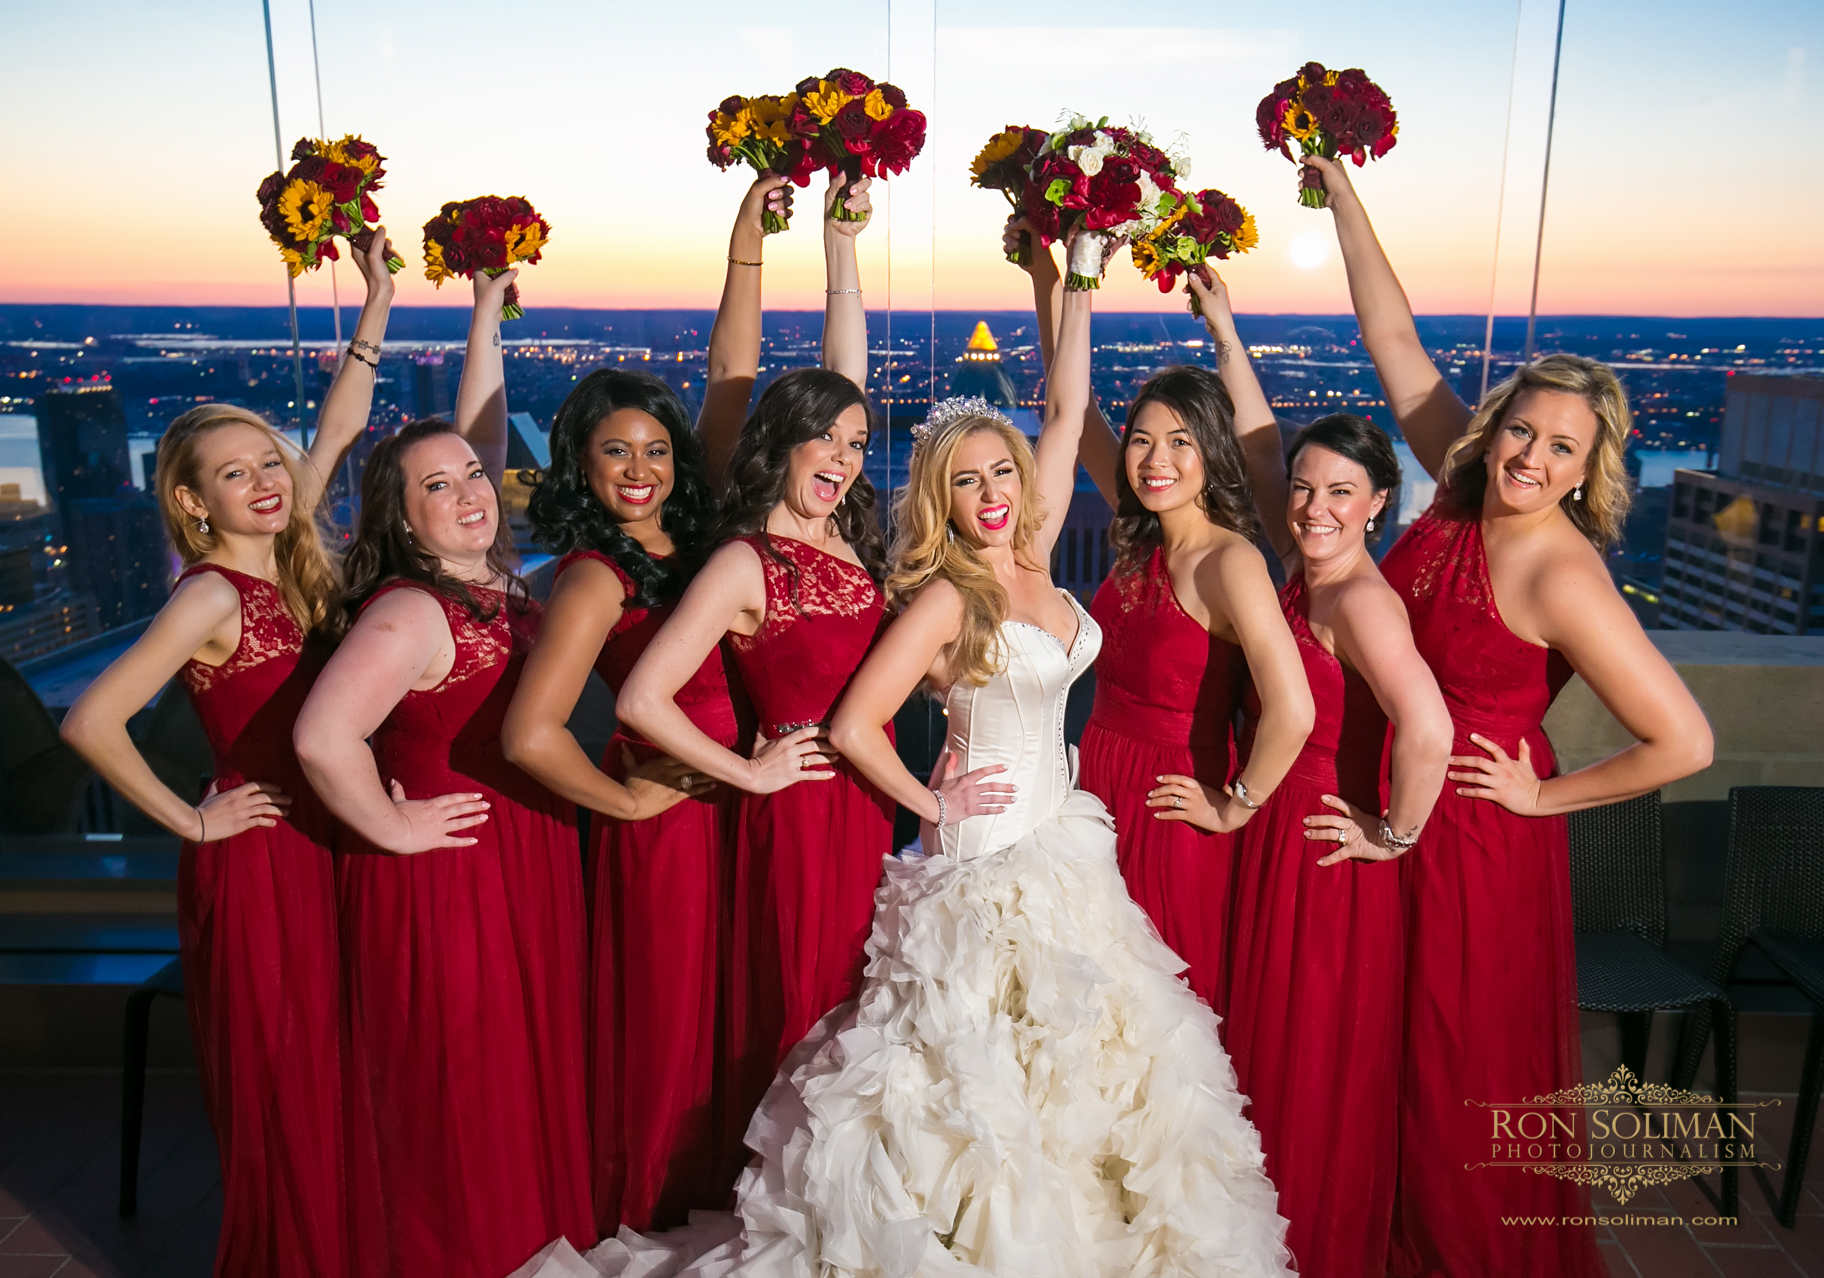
<point x="845" y="319"/>
<point x="481" y="397"/>
<point x="585" y="605"/>
<point x="402" y="641"/>
<point x="351" y="395"/>
<point x="912" y="650"/>
<point x="1256" y="429"/>
<point x="1430" y="415"/>
<point x="734" y="340"/>
<point x="1374" y="638"/>
<point x="1066" y="396"/>
<point x="202" y="619"/>
<point x="1586" y="619"/>
<point x="728" y="594"/>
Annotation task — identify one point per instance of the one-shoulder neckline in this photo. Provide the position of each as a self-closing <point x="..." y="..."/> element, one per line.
<point x="1486" y="573"/>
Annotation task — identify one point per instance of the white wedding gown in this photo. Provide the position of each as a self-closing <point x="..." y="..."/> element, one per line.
<point x="1024" y="1087"/>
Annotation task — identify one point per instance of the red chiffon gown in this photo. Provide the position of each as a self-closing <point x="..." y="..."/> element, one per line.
<point x="464" y="972"/>
<point x="808" y="857"/>
<point x="1166" y="693"/>
<point x="655" y="958"/>
<point x="257" y="931"/>
<point x="1317" y="965"/>
<point x="1491" y="989"/>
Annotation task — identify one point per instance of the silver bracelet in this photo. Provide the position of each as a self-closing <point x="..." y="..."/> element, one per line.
<point x="1239" y="789"/>
<point x="1399" y="843"/>
<point x="942" y="808"/>
<point x="832" y="292"/>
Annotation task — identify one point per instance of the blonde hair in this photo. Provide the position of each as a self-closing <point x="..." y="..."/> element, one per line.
<point x="924" y="546"/>
<point x="1603" y="510"/>
<point x="308" y="580"/>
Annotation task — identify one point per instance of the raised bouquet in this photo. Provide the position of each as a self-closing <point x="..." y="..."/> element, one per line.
<point x="1205" y="225"/>
<point x="853" y="125"/>
<point x="1328" y="113"/>
<point x="328" y="191"/>
<point x="491" y="234"/>
<point x="1005" y="165"/>
<point x="1089" y="176"/>
<point x="758" y="131"/>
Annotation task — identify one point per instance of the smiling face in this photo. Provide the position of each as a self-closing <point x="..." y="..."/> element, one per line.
<point x="985" y="489"/>
<point x="629" y="463"/>
<point x="1541" y="450"/>
<point x="242" y="486"/>
<point x="820" y="471"/>
<point x="1164" y="465"/>
<point x="450" y="505"/>
<point x="1330" y="503"/>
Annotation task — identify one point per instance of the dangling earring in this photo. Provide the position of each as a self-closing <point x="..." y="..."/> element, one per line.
<point x="949" y="532"/>
<point x="202" y="525"/>
<point x="1370" y="527"/>
<point x="1577" y="493"/>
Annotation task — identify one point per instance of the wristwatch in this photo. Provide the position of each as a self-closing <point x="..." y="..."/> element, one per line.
<point x="1239" y="789"/>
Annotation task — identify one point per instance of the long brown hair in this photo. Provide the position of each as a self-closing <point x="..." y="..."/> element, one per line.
<point x="382" y="549"/>
<point x="1200" y="401"/>
<point x="307" y="575"/>
<point x="924" y="548"/>
<point x="1602" y="514"/>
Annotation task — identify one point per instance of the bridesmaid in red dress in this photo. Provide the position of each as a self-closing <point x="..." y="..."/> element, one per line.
<point x="1508" y="595"/>
<point x="1318" y="963"/>
<point x="462" y="915"/>
<point x="256" y="892"/>
<point x="1187" y="614"/>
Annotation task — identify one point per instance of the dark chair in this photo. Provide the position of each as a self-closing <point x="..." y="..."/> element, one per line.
<point x="1618" y="897"/>
<point x="168" y="981"/>
<point x="1773" y="898"/>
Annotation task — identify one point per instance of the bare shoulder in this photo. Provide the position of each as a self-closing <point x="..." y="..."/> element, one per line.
<point x="1368" y="600"/>
<point x="587" y="581"/>
<point x="1231" y="561"/>
<point x="205" y="595"/>
<point x="732" y="559"/>
<point x="410" y="609"/>
<point x="937" y="601"/>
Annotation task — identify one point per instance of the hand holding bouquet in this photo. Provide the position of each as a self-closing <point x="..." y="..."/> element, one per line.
<point x="1005" y="165"/>
<point x="855" y="126"/>
<point x="1201" y="226"/>
<point x="1328" y="113"/>
<point x="327" y="192"/>
<point x="758" y="131"/>
<point x="491" y="233"/>
<point x="1113" y="181"/>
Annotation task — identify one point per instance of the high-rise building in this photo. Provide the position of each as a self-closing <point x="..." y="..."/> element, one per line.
<point x="1743" y="546"/>
<point x="979" y="372"/>
<point x="430" y="385"/>
<point x="82" y="441"/>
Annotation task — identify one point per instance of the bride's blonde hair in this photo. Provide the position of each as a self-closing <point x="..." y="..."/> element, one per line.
<point x="925" y="546"/>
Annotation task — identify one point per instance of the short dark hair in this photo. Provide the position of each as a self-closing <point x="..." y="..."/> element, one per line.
<point x="1362" y="442"/>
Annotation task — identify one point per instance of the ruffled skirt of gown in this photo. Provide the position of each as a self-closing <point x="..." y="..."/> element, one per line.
<point x="1024" y="1087"/>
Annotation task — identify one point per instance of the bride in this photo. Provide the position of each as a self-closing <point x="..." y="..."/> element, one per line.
<point x="1025" y="1086"/>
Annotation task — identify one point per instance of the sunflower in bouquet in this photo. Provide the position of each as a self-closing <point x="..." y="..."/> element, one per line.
<point x="1005" y="165"/>
<point x="492" y="234"/>
<point x="854" y="125"/>
<point x="1090" y="176"/>
<point x="1202" y="226"/>
<point x="328" y="191"/>
<point x="1328" y="113"/>
<point x="758" y="131"/>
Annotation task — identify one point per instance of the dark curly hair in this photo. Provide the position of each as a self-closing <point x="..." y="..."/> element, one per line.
<point x="566" y="514"/>
<point x="383" y="551"/>
<point x="1201" y="402"/>
<point x="1362" y="442"/>
<point x="794" y="410"/>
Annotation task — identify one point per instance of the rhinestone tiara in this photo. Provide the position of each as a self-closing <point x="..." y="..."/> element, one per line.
<point x="953" y="409"/>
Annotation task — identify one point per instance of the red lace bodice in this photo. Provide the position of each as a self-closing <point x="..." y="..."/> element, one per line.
<point x="437" y="739"/>
<point x="704" y="696"/>
<point x="816" y="632"/>
<point x="1493" y="680"/>
<point x="1343" y="753"/>
<point x="1162" y="676"/>
<point x="248" y="704"/>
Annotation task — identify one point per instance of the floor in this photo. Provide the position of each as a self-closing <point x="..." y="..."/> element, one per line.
<point x="60" y="1158"/>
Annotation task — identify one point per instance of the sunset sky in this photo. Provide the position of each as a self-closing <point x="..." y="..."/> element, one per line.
<point x="1685" y="178"/>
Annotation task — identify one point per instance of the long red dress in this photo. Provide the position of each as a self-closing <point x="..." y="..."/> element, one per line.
<point x="464" y="972"/>
<point x="1316" y="993"/>
<point x="1491" y="989"/>
<point x="256" y="917"/>
<point x="808" y="857"/>
<point x="655" y="961"/>
<point x="1166" y="693"/>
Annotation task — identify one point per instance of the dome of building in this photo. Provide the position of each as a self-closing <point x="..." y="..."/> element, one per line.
<point x="978" y="370"/>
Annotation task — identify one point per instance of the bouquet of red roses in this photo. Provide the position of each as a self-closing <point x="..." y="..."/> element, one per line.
<point x="1328" y="113"/>
<point x="1005" y="165"/>
<point x="326" y="193"/>
<point x="758" y="130"/>
<point x="490" y="233"/>
<point x="1097" y="178"/>
<point x="853" y="125"/>
<point x="1201" y="226"/>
